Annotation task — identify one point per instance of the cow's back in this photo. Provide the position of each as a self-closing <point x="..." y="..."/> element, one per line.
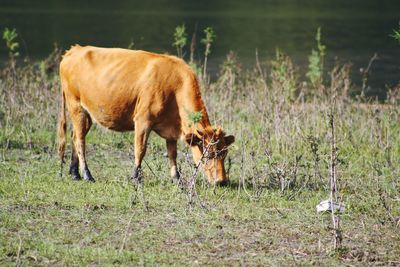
<point x="116" y="85"/>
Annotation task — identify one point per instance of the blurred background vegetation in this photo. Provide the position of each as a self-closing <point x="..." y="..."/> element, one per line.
<point x="351" y="30"/>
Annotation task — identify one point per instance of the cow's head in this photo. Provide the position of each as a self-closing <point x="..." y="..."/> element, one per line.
<point x="210" y="146"/>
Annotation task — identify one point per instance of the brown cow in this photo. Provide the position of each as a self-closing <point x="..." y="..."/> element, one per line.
<point x="127" y="90"/>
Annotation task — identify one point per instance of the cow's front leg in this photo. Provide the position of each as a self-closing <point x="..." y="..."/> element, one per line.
<point x="137" y="174"/>
<point x="172" y="154"/>
<point x="142" y="131"/>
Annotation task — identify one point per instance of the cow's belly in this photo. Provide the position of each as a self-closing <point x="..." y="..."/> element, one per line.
<point x="116" y="117"/>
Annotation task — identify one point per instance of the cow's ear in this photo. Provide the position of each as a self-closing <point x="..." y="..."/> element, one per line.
<point x="219" y="132"/>
<point x="229" y="139"/>
<point x="200" y="132"/>
<point x="192" y="139"/>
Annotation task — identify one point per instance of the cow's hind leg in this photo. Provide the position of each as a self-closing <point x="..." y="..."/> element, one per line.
<point x="142" y="131"/>
<point x="172" y="154"/>
<point x="74" y="166"/>
<point x="81" y="123"/>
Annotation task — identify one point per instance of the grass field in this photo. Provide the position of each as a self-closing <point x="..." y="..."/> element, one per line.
<point x="278" y="167"/>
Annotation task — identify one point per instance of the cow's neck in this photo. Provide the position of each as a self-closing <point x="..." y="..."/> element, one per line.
<point x="191" y="105"/>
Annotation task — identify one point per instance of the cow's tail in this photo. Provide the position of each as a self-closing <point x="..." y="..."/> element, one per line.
<point x="62" y="129"/>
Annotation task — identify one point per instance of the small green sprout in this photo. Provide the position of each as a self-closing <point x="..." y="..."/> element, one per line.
<point x="316" y="61"/>
<point x="180" y="37"/>
<point x="194" y="117"/>
<point x="396" y="34"/>
<point x="207" y="41"/>
<point x="9" y="37"/>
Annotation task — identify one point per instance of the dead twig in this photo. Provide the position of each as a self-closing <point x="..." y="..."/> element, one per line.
<point x="18" y="260"/>
<point x="126" y="235"/>
<point x="333" y="183"/>
<point x="365" y="74"/>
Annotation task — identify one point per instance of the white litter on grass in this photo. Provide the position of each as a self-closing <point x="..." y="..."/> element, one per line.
<point x="328" y="205"/>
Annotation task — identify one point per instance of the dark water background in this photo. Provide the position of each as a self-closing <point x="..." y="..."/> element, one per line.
<point x="353" y="30"/>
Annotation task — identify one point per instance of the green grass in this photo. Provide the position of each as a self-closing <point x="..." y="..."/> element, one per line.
<point x="46" y="219"/>
<point x="49" y="220"/>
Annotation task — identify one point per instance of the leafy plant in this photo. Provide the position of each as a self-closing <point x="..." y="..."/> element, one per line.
<point x="10" y="36"/>
<point x="316" y="61"/>
<point x="230" y="70"/>
<point x="180" y="37"/>
<point x="396" y="34"/>
<point x="207" y="41"/>
<point x="283" y="76"/>
<point x="194" y="117"/>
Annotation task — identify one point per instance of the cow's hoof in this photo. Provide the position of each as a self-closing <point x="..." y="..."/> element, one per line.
<point x="222" y="183"/>
<point x="92" y="180"/>
<point x="75" y="174"/>
<point x="137" y="180"/>
<point x="89" y="179"/>
<point x="76" y="177"/>
<point x="137" y="175"/>
<point x="176" y="178"/>
<point x="87" y="176"/>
